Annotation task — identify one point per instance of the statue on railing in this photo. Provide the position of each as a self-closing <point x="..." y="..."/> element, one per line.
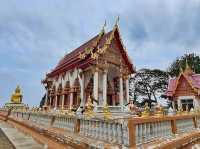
<point x="180" y="110"/>
<point x="192" y="111"/>
<point x="146" y="111"/>
<point x="132" y="107"/>
<point x="170" y="111"/>
<point x="106" y="112"/>
<point x="89" y="107"/>
<point x="159" y="111"/>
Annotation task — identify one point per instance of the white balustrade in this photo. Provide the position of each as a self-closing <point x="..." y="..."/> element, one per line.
<point x="184" y="125"/>
<point x="25" y="116"/>
<point x="67" y="123"/>
<point x="149" y="131"/>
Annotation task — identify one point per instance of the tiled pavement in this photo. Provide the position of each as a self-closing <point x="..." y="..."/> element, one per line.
<point x="18" y="139"/>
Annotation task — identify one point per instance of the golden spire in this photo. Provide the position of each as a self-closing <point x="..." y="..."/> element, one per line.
<point x="102" y="31"/>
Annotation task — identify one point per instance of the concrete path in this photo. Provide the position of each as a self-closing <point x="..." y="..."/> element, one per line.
<point x="19" y="139"/>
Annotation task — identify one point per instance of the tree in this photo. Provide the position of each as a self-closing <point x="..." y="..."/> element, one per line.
<point x="148" y="85"/>
<point x="192" y="59"/>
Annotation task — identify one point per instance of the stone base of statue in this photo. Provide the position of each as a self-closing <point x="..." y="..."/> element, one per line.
<point x="15" y="106"/>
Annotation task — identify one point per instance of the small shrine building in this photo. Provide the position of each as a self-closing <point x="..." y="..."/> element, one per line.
<point x="184" y="90"/>
<point x="99" y="68"/>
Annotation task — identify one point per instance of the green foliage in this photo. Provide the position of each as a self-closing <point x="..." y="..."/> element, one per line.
<point x="192" y="59"/>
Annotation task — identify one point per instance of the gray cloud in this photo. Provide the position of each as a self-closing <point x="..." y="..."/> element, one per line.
<point x="34" y="35"/>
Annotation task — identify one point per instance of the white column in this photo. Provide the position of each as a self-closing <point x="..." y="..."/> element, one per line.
<point x="55" y="102"/>
<point x="46" y="98"/>
<point x="121" y="96"/>
<point x="96" y="86"/>
<point x="179" y="103"/>
<point x="82" y="90"/>
<point x="127" y="89"/>
<point x="105" y="87"/>
<point x="71" y="100"/>
<point x="195" y="103"/>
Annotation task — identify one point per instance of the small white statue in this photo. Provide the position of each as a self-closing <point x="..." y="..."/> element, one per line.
<point x="170" y="111"/>
<point x="192" y="110"/>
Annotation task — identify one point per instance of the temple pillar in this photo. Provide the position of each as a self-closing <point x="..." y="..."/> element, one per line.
<point x="121" y="96"/>
<point x="96" y="86"/>
<point x="71" y="100"/>
<point x="127" y="89"/>
<point x="55" y="102"/>
<point x="179" y="103"/>
<point x="105" y="87"/>
<point x="82" y="94"/>
<point x="82" y="90"/>
<point x="46" y="99"/>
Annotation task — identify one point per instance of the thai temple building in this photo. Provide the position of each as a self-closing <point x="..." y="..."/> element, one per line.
<point x="184" y="90"/>
<point x="99" y="69"/>
<point x="16" y="100"/>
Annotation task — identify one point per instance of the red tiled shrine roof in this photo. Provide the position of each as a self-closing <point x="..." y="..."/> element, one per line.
<point x="192" y="78"/>
<point x="72" y="60"/>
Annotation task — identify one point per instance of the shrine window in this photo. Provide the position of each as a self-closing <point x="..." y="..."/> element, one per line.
<point x="187" y="102"/>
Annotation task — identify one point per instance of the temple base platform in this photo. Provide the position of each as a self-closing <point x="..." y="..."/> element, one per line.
<point x="15" y="105"/>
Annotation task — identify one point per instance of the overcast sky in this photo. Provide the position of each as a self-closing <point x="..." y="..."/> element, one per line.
<point x="35" y="34"/>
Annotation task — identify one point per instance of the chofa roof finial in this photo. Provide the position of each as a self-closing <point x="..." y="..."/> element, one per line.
<point x="117" y="21"/>
<point x="104" y="25"/>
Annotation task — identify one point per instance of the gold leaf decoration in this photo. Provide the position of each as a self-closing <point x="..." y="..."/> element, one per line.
<point x="88" y="50"/>
<point x="81" y="55"/>
<point x="94" y="55"/>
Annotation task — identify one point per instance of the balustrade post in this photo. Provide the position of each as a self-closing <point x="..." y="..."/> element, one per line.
<point x="52" y="120"/>
<point x="173" y="126"/>
<point x="194" y="121"/>
<point x="131" y="134"/>
<point x="77" y="126"/>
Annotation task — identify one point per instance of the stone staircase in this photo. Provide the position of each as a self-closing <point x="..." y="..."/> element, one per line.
<point x="18" y="140"/>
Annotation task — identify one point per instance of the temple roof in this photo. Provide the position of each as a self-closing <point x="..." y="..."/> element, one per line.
<point x="73" y="60"/>
<point x="192" y="78"/>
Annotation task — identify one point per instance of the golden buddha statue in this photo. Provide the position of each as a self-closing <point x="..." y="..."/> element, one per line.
<point x="159" y="110"/>
<point x="146" y="111"/>
<point x="89" y="107"/>
<point x="106" y="112"/>
<point x="17" y="96"/>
